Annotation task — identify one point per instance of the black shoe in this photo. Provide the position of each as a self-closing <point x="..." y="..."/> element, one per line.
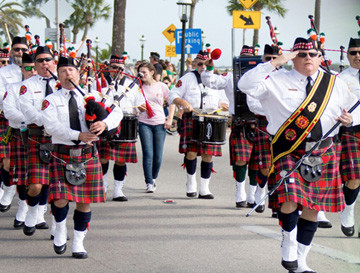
<point x="4" y="208"/>
<point x="208" y="196"/>
<point x="324" y="224"/>
<point x="52" y="238"/>
<point x="291" y="266"/>
<point x="348" y="231"/>
<point x="241" y="204"/>
<point x="80" y="255"/>
<point x="120" y="199"/>
<point x="250" y="205"/>
<point x="274" y="214"/>
<point x="60" y="249"/>
<point x="18" y="224"/>
<point x="43" y="225"/>
<point x="260" y="209"/>
<point x="191" y="194"/>
<point x="28" y="231"/>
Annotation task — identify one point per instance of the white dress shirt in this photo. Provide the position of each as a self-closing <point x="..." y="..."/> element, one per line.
<point x="8" y="74"/>
<point x="11" y="105"/>
<point x="351" y="76"/>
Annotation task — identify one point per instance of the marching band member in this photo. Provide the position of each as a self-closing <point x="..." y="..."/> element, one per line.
<point x="18" y="158"/>
<point x="321" y="100"/>
<point x="189" y="94"/>
<point x="350" y="141"/>
<point x="32" y="93"/>
<point x="76" y="174"/>
<point x="4" y="57"/>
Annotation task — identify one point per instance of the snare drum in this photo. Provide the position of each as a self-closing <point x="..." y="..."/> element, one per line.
<point x="209" y="129"/>
<point x="128" y="129"/>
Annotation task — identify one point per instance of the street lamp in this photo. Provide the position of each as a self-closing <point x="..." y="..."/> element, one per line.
<point x="97" y="41"/>
<point x="202" y="40"/>
<point x="142" y="41"/>
<point x="183" y="15"/>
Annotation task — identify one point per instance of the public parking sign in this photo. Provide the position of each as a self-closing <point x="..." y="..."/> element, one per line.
<point x="192" y="40"/>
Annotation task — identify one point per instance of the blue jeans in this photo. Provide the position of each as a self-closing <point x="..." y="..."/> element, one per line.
<point x="152" y="139"/>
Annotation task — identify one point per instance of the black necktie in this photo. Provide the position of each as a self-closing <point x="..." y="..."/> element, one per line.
<point x="359" y="75"/>
<point x="48" y="89"/>
<point x="74" y="115"/>
<point x="316" y="132"/>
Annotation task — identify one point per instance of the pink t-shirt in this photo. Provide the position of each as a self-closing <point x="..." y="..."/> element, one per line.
<point x="155" y="95"/>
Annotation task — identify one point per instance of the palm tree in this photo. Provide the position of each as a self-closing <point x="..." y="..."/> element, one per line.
<point x="103" y="54"/>
<point x="33" y="9"/>
<point x="76" y="21"/>
<point x="10" y="15"/>
<point x="270" y="5"/>
<point x="317" y="14"/>
<point x="192" y="13"/>
<point x="118" y="39"/>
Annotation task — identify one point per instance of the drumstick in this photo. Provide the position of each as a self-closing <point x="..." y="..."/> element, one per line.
<point x="203" y="114"/>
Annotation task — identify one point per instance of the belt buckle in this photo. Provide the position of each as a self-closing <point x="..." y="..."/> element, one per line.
<point x="75" y="152"/>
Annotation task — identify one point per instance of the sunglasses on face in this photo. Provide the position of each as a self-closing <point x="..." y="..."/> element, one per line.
<point x="269" y="58"/>
<point x="48" y="59"/>
<point x="353" y="53"/>
<point x="116" y="67"/>
<point x="310" y="54"/>
<point x="17" y="49"/>
<point x="200" y="64"/>
<point x="29" y="68"/>
<point x="5" y="62"/>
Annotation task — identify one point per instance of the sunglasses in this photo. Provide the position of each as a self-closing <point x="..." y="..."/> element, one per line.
<point x="29" y="68"/>
<point x="310" y="54"/>
<point x="116" y="67"/>
<point x="17" y="49"/>
<point x="269" y="58"/>
<point x="40" y="60"/>
<point x="5" y="62"/>
<point x="200" y="64"/>
<point x="353" y="53"/>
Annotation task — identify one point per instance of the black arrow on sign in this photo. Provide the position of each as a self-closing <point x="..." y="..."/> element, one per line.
<point x="248" y="21"/>
<point x="171" y="31"/>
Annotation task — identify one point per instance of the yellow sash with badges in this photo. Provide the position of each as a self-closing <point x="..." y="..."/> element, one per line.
<point x="295" y="129"/>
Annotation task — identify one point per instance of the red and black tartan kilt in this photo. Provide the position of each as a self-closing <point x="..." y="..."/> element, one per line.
<point x="38" y="171"/>
<point x="350" y="156"/>
<point x="123" y="152"/>
<point x="186" y="145"/>
<point x="4" y="148"/>
<point x="18" y="161"/>
<point x="262" y="151"/>
<point x="273" y="199"/>
<point x="240" y="148"/>
<point x="325" y="194"/>
<point x="92" y="191"/>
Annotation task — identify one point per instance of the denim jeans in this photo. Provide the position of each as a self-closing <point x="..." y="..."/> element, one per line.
<point x="152" y="139"/>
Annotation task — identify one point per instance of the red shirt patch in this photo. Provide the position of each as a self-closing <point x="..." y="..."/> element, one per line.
<point x="5" y="95"/>
<point x="179" y="83"/>
<point x="23" y="90"/>
<point x="224" y="74"/>
<point x="45" y="104"/>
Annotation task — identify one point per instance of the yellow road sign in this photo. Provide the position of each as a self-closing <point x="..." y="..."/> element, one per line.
<point x="246" y="19"/>
<point x="169" y="33"/>
<point x="170" y="51"/>
<point x="247" y="3"/>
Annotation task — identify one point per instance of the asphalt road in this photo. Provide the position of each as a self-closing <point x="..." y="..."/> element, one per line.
<point x="146" y="234"/>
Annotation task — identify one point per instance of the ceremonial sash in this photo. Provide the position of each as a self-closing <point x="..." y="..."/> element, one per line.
<point x="295" y="129"/>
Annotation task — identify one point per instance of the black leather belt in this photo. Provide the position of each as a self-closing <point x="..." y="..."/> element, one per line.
<point x="61" y="149"/>
<point x="310" y="143"/>
<point x="16" y="132"/>
<point x="36" y="132"/>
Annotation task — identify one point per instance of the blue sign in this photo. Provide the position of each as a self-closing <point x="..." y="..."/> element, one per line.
<point x="192" y="40"/>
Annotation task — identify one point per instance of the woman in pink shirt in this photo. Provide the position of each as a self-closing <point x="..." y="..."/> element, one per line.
<point x="152" y="131"/>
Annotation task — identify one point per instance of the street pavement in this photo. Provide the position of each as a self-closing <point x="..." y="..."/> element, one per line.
<point x="187" y="235"/>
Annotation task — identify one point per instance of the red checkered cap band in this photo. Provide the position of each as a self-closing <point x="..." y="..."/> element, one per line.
<point x="303" y="46"/>
<point x="119" y="61"/>
<point x="202" y="57"/>
<point x="247" y="50"/>
<point x="4" y="55"/>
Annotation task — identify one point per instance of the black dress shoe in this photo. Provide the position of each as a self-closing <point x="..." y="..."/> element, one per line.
<point x="120" y="199"/>
<point x="80" y="255"/>
<point x="348" y="231"/>
<point x="42" y="225"/>
<point x="274" y="214"/>
<point x="324" y="224"/>
<point x="250" y="205"/>
<point x="28" y="231"/>
<point x="18" y="224"/>
<point x="241" y="204"/>
<point x="207" y="196"/>
<point x="4" y="208"/>
<point x="260" y="209"/>
<point x="191" y="194"/>
<point x="303" y="271"/>
<point x="291" y="266"/>
<point x="60" y="249"/>
<point x="52" y="238"/>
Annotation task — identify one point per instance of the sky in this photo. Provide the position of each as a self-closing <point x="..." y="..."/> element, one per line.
<point x="150" y="18"/>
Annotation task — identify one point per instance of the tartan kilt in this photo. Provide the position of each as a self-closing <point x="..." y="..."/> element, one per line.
<point x="325" y="194"/>
<point x="240" y="148"/>
<point x="186" y="145"/>
<point x="4" y="148"/>
<point x="38" y="171"/>
<point x="123" y="152"/>
<point x="350" y="156"/>
<point x="273" y="199"/>
<point x="18" y="162"/>
<point x="92" y="191"/>
<point x="262" y="151"/>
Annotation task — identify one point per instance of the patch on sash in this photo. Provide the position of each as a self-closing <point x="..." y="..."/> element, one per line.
<point x="312" y="107"/>
<point x="45" y="104"/>
<point x="302" y="122"/>
<point x="5" y="95"/>
<point x="178" y="84"/>
<point x="23" y="90"/>
<point x="290" y="134"/>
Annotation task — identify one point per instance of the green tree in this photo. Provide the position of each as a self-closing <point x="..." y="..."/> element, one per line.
<point x="11" y="15"/>
<point x="103" y="54"/>
<point x="317" y="14"/>
<point x="32" y="7"/>
<point x="270" y="5"/>
<point x="118" y="38"/>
